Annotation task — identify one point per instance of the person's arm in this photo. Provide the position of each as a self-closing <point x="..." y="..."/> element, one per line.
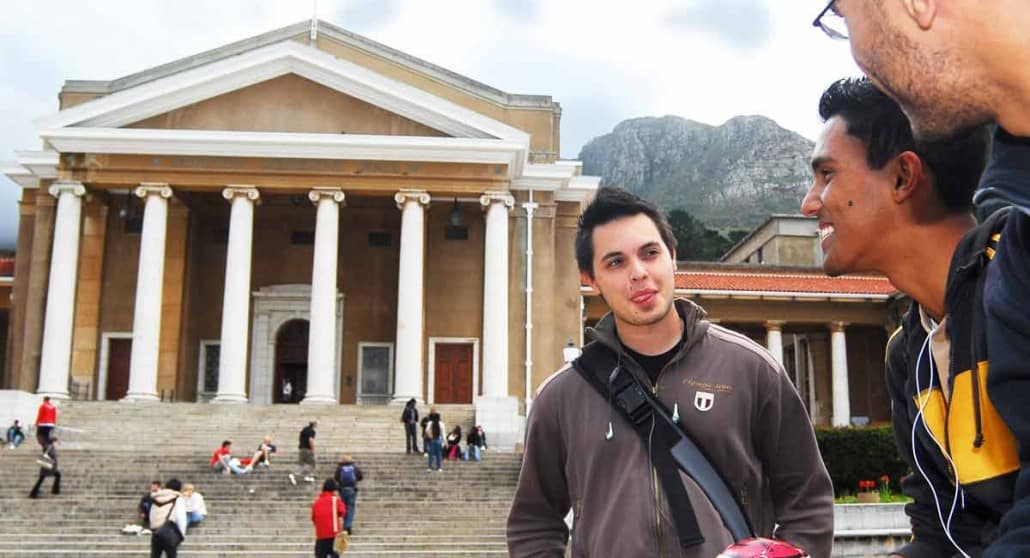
<point x="802" y="493"/>
<point x="928" y="537"/>
<point x="1008" y="382"/>
<point x="536" y="523"/>
<point x="200" y="503"/>
<point x="358" y="476"/>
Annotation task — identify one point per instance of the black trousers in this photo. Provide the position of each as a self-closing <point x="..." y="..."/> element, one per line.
<point x="43" y="435"/>
<point x="42" y="475"/>
<point x="410" y="439"/>
<point x="324" y="549"/>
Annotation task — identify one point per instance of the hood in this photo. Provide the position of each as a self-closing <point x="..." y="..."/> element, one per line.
<point x="695" y="325"/>
<point x="164" y="496"/>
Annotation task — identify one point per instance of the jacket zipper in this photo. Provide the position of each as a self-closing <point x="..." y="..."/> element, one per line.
<point x="654" y="476"/>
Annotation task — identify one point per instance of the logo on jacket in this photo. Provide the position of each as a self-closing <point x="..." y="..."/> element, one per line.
<point x="703" y="401"/>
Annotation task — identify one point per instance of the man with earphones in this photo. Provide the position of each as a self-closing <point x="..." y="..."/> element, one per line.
<point x="891" y="204"/>
<point x="726" y="392"/>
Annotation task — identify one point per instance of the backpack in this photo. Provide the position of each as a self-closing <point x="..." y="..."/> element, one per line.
<point x="346" y="475"/>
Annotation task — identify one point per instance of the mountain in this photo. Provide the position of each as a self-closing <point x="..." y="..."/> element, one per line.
<point x="729" y="176"/>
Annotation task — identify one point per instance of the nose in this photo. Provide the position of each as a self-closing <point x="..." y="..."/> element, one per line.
<point x="638" y="270"/>
<point x="812" y="202"/>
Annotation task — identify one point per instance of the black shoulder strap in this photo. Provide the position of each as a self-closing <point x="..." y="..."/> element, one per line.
<point x="600" y="367"/>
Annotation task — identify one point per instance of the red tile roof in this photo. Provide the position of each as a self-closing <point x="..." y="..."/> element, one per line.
<point x="794" y="282"/>
<point x="6" y="267"/>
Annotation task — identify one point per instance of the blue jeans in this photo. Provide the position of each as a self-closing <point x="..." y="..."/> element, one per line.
<point x="236" y="469"/>
<point x="16" y="440"/>
<point x="194" y="517"/>
<point x="349" y="495"/>
<point x="435" y="452"/>
<point x="471" y="452"/>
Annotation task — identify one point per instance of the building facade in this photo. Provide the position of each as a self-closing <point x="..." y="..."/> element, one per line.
<point x="303" y="216"/>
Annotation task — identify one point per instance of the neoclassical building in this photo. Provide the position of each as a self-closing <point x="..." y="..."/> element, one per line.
<point x="303" y="216"/>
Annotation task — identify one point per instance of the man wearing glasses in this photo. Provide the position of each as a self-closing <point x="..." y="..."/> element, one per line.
<point x="953" y="65"/>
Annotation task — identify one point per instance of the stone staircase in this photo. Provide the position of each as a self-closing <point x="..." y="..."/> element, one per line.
<point x="114" y="450"/>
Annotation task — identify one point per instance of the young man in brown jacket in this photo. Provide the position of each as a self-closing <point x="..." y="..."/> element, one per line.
<point x="731" y="397"/>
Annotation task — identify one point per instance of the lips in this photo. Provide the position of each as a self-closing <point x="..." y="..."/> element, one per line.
<point x="644" y="297"/>
<point x="825" y="231"/>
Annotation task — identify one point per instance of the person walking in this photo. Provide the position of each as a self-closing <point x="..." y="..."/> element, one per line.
<point x="168" y="520"/>
<point x="409" y="416"/>
<point x="46" y="421"/>
<point x="326" y="512"/>
<point x="48" y="468"/>
<point x="434" y="440"/>
<point x="305" y="454"/>
<point x="347" y="477"/>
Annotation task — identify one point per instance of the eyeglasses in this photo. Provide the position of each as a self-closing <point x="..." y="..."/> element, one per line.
<point x="831" y="22"/>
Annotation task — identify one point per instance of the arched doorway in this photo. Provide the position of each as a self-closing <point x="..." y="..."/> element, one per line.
<point x="291" y="362"/>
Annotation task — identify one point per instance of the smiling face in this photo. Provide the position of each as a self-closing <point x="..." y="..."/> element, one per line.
<point x="851" y="201"/>
<point x="633" y="271"/>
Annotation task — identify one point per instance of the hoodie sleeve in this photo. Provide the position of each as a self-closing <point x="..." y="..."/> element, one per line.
<point x="1006" y="296"/>
<point x="802" y="493"/>
<point x="536" y="523"/>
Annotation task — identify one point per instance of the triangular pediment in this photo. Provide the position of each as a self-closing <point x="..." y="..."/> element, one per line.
<point x="175" y="93"/>
<point x="288" y="104"/>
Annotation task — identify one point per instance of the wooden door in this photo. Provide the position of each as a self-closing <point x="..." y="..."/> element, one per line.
<point x="453" y="373"/>
<point x="119" y="356"/>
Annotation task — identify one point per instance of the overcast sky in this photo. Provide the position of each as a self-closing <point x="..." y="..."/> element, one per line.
<point x="603" y="60"/>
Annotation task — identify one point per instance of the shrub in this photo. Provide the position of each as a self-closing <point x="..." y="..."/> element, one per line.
<point x="854" y="454"/>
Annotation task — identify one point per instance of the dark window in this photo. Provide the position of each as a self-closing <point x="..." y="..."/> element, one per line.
<point x="380" y="239"/>
<point x="455" y="233"/>
<point x="302" y="238"/>
<point x="220" y="236"/>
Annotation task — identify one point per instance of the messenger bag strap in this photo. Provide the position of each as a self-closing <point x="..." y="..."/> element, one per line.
<point x="601" y="368"/>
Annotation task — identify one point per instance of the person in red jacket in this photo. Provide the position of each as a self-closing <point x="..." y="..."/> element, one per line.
<point x="46" y="420"/>
<point x="326" y="513"/>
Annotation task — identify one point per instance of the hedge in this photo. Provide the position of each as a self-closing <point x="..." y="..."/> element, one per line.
<point x="853" y="454"/>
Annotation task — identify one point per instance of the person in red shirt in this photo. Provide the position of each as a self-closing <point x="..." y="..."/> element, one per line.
<point x="326" y="513"/>
<point x="46" y="420"/>
<point x="222" y="460"/>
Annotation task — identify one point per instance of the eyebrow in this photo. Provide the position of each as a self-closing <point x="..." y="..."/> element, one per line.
<point x="820" y="161"/>
<point x="645" y="246"/>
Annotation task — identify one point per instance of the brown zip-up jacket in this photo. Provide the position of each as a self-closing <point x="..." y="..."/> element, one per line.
<point x="754" y="430"/>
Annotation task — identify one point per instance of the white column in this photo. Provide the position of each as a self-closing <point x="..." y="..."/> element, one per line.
<point x="774" y="339"/>
<point x="839" y="357"/>
<point x="495" y="294"/>
<point x="322" y="336"/>
<point x="410" y="303"/>
<point x="146" y="321"/>
<point x="55" y="364"/>
<point x="232" y="359"/>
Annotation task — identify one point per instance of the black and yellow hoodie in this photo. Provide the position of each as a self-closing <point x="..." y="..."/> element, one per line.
<point x="965" y="424"/>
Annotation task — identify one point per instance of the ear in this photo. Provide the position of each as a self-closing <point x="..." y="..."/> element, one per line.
<point x="909" y="176"/>
<point x="587" y="280"/>
<point x="923" y="12"/>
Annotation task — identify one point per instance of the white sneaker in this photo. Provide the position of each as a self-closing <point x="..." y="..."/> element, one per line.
<point x="293" y="479"/>
<point x="309" y="479"/>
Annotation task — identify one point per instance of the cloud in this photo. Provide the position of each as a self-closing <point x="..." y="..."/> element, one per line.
<point x="363" y="14"/>
<point x="741" y="24"/>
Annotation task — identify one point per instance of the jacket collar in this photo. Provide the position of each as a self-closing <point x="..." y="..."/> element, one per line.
<point x="694" y="327"/>
<point x="969" y="256"/>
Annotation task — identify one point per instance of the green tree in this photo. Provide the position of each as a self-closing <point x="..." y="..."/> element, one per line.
<point x="694" y="240"/>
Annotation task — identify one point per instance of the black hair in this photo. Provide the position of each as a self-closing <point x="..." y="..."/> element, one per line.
<point x="611" y="204"/>
<point x="226" y="443"/>
<point x="157" y="482"/>
<point x="173" y="484"/>
<point x="878" y="122"/>
<point x="329" y="485"/>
